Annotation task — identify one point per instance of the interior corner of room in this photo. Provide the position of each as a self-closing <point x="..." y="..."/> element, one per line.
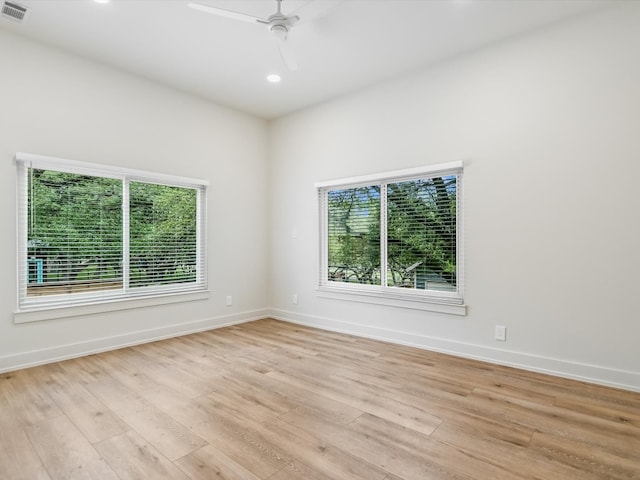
<point x="545" y="123"/>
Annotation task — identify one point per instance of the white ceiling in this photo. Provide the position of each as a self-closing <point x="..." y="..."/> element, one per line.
<point x="345" y="45"/>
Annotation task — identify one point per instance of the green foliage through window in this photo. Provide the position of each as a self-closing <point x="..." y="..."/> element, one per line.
<point x="354" y="235"/>
<point x="162" y="233"/>
<point x="421" y="234"/>
<point x="75" y="229"/>
<point x="74" y="232"/>
<point x="420" y="221"/>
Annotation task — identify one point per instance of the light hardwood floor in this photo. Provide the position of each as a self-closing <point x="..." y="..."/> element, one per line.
<point x="271" y="400"/>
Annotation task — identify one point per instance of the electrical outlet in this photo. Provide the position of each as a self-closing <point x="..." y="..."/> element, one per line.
<point x="294" y="299"/>
<point x="229" y="300"/>
<point x="500" y="333"/>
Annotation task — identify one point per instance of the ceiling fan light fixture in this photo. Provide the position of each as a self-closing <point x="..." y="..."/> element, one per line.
<point x="280" y="31"/>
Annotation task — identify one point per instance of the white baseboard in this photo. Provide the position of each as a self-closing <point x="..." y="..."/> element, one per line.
<point x="64" y="352"/>
<point x="561" y="368"/>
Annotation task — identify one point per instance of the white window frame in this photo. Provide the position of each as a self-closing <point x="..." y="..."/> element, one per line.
<point x="58" y="306"/>
<point x="429" y="300"/>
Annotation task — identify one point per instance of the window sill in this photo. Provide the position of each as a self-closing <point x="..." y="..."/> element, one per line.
<point x="52" y="313"/>
<point x="414" y="302"/>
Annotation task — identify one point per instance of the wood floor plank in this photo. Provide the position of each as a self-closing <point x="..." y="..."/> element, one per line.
<point x="86" y="412"/>
<point x="167" y="369"/>
<point x="302" y="450"/>
<point x="208" y="463"/>
<point x="66" y="453"/>
<point x="83" y="370"/>
<point x="296" y="471"/>
<point x="133" y="458"/>
<point x="170" y="437"/>
<point x="582" y="457"/>
<point x="238" y="441"/>
<point x="508" y="456"/>
<point x="279" y="343"/>
<point x="606" y="411"/>
<point x="19" y="460"/>
<point x="250" y="399"/>
<point x="177" y="404"/>
<point x="320" y="455"/>
<point x="391" y="447"/>
<point x="425" y="452"/>
<point x="365" y="397"/>
<point x="26" y="401"/>
<point x="303" y="399"/>
<point x="606" y="435"/>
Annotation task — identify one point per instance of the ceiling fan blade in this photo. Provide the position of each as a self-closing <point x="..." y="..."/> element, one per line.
<point x="287" y="54"/>
<point x="226" y="13"/>
<point x="292" y="20"/>
<point x="314" y="9"/>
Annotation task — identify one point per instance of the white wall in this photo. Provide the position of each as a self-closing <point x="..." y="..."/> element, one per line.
<point x="547" y="125"/>
<point x="61" y="105"/>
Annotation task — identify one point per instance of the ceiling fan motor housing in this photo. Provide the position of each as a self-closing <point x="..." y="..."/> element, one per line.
<point x="280" y="30"/>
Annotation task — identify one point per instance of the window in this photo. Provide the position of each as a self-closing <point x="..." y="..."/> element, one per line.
<point x="394" y="235"/>
<point x="90" y="233"/>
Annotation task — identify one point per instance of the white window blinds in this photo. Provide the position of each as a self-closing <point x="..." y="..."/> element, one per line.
<point x="421" y="233"/>
<point x="395" y="234"/>
<point x="354" y="235"/>
<point x="91" y="233"/>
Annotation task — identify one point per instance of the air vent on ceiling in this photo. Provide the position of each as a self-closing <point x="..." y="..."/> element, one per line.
<point x="13" y="11"/>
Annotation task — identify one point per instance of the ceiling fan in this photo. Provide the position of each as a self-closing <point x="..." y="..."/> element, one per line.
<point x="278" y="24"/>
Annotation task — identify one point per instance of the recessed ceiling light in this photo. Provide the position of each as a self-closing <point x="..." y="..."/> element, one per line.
<point x="102" y="1"/>
<point x="273" y="78"/>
